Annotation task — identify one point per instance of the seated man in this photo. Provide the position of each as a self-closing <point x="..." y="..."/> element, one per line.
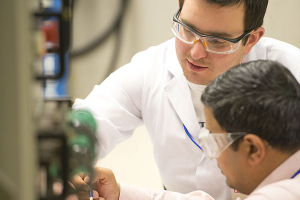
<point x="253" y="131"/>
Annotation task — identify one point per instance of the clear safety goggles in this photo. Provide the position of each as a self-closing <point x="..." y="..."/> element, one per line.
<point x="213" y="44"/>
<point x="213" y="144"/>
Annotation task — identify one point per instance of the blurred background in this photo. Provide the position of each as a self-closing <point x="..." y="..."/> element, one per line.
<point x="103" y="35"/>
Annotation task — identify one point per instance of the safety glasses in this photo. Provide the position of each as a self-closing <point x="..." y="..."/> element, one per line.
<point x="213" y="44"/>
<point x="213" y="144"/>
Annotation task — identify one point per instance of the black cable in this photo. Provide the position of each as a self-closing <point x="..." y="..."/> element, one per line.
<point x="72" y="5"/>
<point x="115" y="25"/>
<point x="118" y="43"/>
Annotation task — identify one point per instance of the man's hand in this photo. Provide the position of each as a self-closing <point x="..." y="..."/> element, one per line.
<point x="104" y="184"/>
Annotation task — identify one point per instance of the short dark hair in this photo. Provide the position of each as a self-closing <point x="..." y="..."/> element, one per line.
<point x="254" y="10"/>
<point x="259" y="97"/>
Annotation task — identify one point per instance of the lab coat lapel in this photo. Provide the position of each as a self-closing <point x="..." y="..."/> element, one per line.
<point x="179" y="95"/>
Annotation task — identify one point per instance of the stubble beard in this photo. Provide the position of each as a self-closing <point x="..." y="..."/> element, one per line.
<point x="194" y="77"/>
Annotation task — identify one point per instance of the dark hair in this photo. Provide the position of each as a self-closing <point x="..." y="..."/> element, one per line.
<point x="259" y="97"/>
<point x="254" y="11"/>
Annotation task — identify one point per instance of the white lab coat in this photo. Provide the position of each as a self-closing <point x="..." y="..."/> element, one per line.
<point x="152" y="90"/>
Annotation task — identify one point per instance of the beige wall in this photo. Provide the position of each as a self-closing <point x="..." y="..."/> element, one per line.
<point x="148" y="23"/>
<point x="282" y="21"/>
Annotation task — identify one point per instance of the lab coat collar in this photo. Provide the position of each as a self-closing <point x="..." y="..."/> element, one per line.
<point x="172" y="63"/>
<point x="284" y="171"/>
<point x="179" y="93"/>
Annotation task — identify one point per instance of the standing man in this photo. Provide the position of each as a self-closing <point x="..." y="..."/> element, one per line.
<point x="161" y="87"/>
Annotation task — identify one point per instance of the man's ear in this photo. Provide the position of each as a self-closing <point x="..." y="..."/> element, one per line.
<point x="253" y="39"/>
<point x="255" y="149"/>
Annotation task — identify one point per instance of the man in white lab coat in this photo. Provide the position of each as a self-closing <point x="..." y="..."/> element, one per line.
<point x="252" y="129"/>
<point x="161" y="87"/>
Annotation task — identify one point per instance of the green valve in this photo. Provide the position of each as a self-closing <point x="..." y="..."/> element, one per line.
<point x="83" y="117"/>
<point x="81" y="140"/>
<point x="83" y="144"/>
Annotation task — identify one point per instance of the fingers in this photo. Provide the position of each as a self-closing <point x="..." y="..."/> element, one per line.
<point x="103" y="174"/>
<point x="83" y="195"/>
<point x="79" y="182"/>
<point x="104" y="185"/>
<point x="95" y="194"/>
<point x="72" y="197"/>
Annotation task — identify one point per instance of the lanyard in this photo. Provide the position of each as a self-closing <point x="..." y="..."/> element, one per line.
<point x="295" y="174"/>
<point x="191" y="137"/>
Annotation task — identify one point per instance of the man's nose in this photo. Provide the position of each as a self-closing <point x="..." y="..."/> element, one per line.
<point x="198" y="49"/>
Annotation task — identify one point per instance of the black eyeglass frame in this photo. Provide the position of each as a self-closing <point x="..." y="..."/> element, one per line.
<point x="233" y="40"/>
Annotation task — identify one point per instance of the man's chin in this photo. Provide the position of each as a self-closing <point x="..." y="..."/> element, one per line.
<point x="196" y="80"/>
<point x="229" y="184"/>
